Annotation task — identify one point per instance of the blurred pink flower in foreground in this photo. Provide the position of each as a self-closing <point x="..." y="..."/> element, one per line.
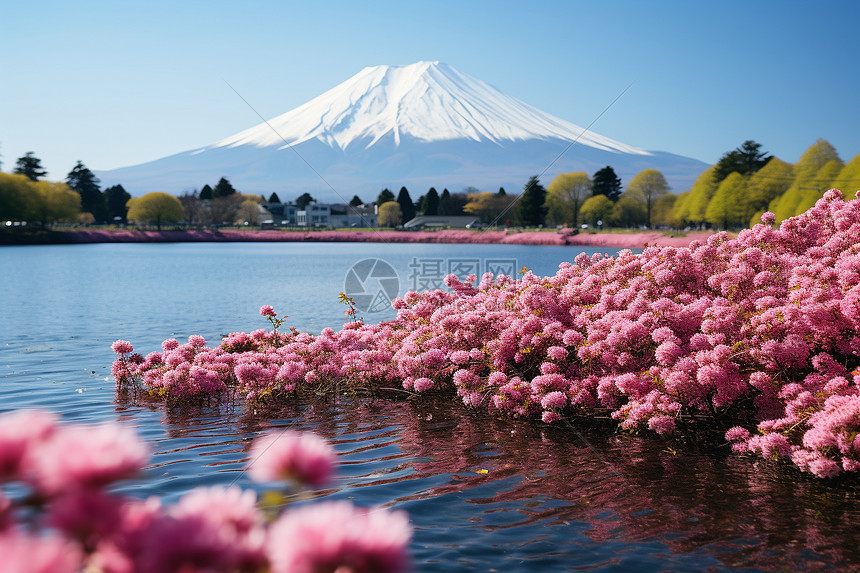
<point x="82" y="457"/>
<point x="336" y="536"/>
<point x="73" y="524"/>
<point x="18" y="432"/>
<point x="24" y="553"/>
<point x="304" y="457"/>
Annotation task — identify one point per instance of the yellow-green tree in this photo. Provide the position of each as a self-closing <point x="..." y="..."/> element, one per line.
<point x="848" y="180"/>
<point x="16" y="197"/>
<point x="249" y="211"/>
<point x="565" y="195"/>
<point x="54" y="202"/>
<point x="693" y="208"/>
<point x="812" y="174"/>
<point x="765" y="185"/>
<point x="629" y="211"/>
<point x="648" y="186"/>
<point x="390" y="214"/>
<point x="679" y="209"/>
<point x="156" y="207"/>
<point x="663" y="213"/>
<point x="596" y="208"/>
<point x="726" y="208"/>
<point x="487" y="206"/>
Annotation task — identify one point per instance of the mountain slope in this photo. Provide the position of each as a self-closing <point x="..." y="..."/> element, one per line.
<point x="420" y="125"/>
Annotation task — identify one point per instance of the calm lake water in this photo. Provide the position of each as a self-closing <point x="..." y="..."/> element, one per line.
<point x="552" y="499"/>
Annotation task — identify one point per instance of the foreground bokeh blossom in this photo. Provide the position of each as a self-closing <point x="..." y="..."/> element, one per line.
<point x="25" y="553"/>
<point x="72" y="522"/>
<point x="336" y="536"/>
<point x="290" y="455"/>
<point x="759" y="332"/>
<point x="86" y="457"/>
<point x="20" y="431"/>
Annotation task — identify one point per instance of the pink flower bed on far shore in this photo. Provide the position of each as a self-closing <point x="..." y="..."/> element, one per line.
<point x="457" y="236"/>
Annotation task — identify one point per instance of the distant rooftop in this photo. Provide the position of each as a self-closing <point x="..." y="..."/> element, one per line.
<point x="457" y="222"/>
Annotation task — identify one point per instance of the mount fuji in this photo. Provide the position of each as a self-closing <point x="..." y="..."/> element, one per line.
<point x="422" y="125"/>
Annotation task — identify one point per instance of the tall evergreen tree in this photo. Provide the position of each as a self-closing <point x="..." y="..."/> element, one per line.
<point x="116" y="198"/>
<point x="273" y="198"/>
<point x="356" y="201"/>
<point x="501" y="192"/>
<point x="407" y="207"/>
<point x="531" y="210"/>
<point x="84" y="181"/>
<point x="223" y="189"/>
<point x="746" y="159"/>
<point x="304" y="200"/>
<point x="606" y="182"/>
<point x="30" y="166"/>
<point x="206" y="193"/>
<point x="432" y="202"/>
<point x="384" y="196"/>
<point x="444" y="206"/>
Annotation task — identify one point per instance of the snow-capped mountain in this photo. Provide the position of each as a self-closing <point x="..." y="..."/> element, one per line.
<point x="428" y="101"/>
<point x="420" y="125"/>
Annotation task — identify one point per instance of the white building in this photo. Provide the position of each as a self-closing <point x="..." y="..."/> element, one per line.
<point x="314" y="215"/>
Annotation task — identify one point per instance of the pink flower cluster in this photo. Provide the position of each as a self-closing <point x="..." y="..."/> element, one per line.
<point x="72" y="523"/>
<point x="761" y="331"/>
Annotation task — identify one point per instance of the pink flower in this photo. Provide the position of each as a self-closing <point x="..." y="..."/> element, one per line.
<point x="556" y="353"/>
<point x="554" y="400"/>
<point x="23" y="553"/>
<point x="549" y="417"/>
<point x="86" y="515"/>
<point x="217" y="529"/>
<point x="5" y="513"/>
<point x="336" y="536"/>
<point x="122" y="347"/>
<point x="459" y="357"/>
<point x="737" y="433"/>
<point x="267" y="310"/>
<point x="170" y="344"/>
<point x="85" y="457"/>
<point x="662" y="424"/>
<point x="422" y="384"/>
<point x="19" y="432"/>
<point x="287" y="454"/>
<point x="196" y="341"/>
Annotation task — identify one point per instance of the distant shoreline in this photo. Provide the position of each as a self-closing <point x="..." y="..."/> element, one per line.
<point x="455" y="236"/>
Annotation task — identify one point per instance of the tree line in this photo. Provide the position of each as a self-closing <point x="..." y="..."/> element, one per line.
<point x="733" y="193"/>
<point x="746" y="182"/>
<point x="24" y="196"/>
<point x="571" y="199"/>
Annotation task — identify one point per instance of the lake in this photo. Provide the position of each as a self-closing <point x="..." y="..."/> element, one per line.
<point x="552" y="498"/>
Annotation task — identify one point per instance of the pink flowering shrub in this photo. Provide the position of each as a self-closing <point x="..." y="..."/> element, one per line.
<point x="760" y="332"/>
<point x="72" y="523"/>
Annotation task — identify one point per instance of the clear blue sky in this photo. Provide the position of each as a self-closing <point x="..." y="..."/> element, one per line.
<point x="120" y="83"/>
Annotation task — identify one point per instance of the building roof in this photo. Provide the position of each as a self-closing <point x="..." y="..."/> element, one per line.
<point x="455" y="221"/>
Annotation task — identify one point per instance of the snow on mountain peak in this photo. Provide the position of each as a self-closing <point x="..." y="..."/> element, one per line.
<point x="427" y="101"/>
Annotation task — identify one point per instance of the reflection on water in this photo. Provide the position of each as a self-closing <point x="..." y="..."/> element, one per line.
<point x="486" y="493"/>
